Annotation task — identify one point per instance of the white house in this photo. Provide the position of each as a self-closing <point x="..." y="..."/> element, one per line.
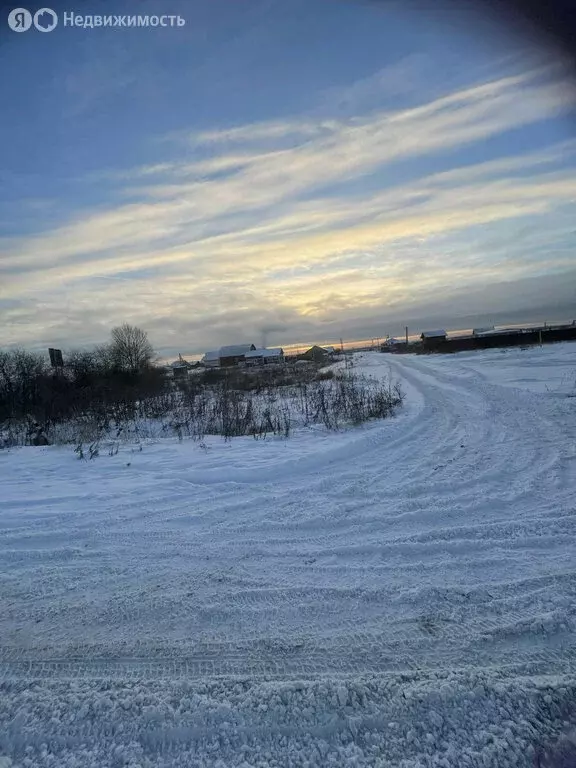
<point x="392" y="344"/>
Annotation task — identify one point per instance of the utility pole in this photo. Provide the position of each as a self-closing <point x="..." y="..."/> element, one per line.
<point x="406" y="335"/>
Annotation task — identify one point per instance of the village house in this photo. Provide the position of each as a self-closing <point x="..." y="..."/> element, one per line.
<point x="258" y="357"/>
<point x="433" y="339"/>
<point x="179" y="369"/>
<point x="393" y="345"/>
<point x="316" y="354"/>
<point x="250" y="356"/>
<point x="211" y="359"/>
<point x="234" y="354"/>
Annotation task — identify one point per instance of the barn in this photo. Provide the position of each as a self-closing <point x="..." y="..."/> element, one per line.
<point x="433" y="339"/>
<point x="316" y="354"/>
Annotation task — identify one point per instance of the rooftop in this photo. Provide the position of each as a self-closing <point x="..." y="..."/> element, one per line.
<point x="433" y="334"/>
<point x="273" y="352"/>
<point x="235" y="350"/>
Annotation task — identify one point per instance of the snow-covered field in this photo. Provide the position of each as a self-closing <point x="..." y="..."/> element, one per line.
<point x="401" y="594"/>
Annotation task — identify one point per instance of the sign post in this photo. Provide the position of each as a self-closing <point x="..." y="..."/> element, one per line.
<point x="56" y="360"/>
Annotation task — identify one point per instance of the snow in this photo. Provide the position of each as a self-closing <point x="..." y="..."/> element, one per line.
<point x="550" y="369"/>
<point x="399" y="595"/>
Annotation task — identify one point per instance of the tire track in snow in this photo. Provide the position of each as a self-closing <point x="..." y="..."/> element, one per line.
<point x="363" y="547"/>
<point x="309" y="665"/>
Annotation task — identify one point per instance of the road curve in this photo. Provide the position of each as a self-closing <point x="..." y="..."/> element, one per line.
<point x="437" y="544"/>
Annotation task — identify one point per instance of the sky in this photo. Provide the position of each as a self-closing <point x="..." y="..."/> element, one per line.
<point x="282" y="171"/>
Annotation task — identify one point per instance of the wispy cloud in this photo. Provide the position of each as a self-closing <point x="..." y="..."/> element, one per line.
<point x="269" y="218"/>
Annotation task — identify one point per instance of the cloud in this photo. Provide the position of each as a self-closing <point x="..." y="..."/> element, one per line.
<point x="267" y="225"/>
<point x="402" y="78"/>
<point x="95" y="79"/>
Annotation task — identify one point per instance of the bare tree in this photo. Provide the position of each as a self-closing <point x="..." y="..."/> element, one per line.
<point x="130" y="348"/>
<point x="104" y="358"/>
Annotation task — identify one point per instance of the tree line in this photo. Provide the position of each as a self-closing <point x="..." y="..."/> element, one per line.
<point x="106" y="380"/>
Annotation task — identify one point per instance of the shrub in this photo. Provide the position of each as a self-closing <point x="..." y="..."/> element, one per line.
<point x="92" y="400"/>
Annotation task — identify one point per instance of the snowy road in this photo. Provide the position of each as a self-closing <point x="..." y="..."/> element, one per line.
<point x="381" y="594"/>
